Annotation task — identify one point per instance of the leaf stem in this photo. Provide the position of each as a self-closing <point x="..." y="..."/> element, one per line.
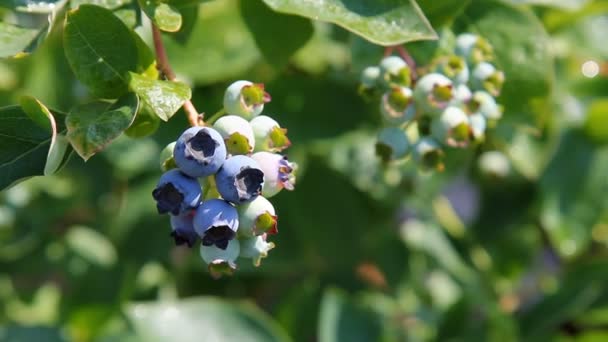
<point x="408" y="59"/>
<point x="194" y="118"/>
<point x="216" y="116"/>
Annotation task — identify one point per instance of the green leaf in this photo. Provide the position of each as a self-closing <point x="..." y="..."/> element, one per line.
<point x="100" y="58"/>
<point x="203" y="318"/>
<point x="522" y="49"/>
<point x="109" y="4"/>
<point x="94" y="125"/>
<point x="388" y="22"/>
<point x="596" y="128"/>
<point x="91" y="246"/>
<point x="189" y="19"/>
<point x="341" y="319"/>
<point x="25" y="143"/>
<point x="164" y="16"/>
<point x="442" y="12"/>
<point x="15" y="40"/>
<point x="220" y="48"/>
<point x="164" y="98"/>
<point x="563" y="4"/>
<point x="59" y="150"/>
<point x="145" y="123"/>
<point x="573" y="189"/>
<point x="277" y="45"/>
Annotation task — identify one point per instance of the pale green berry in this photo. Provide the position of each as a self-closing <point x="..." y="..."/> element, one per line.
<point x="221" y="261"/>
<point x="256" y="248"/>
<point x="486" y="77"/>
<point x="452" y="127"/>
<point x="494" y="164"/>
<point x="484" y="103"/>
<point x="166" y="158"/>
<point x="433" y="93"/>
<point x="257" y="217"/>
<point x="454" y="67"/>
<point x="478" y="125"/>
<point x="396" y="106"/>
<point x="473" y="48"/>
<point x="392" y="144"/>
<point x="245" y="99"/>
<point x="429" y="155"/>
<point x="462" y="95"/>
<point x="394" y="71"/>
<point x="269" y="136"/>
<point x="237" y="134"/>
<point x="370" y="77"/>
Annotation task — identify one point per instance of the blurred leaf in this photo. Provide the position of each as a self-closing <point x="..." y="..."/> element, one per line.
<point x="128" y="16"/>
<point x="100" y="59"/>
<point x="521" y="45"/>
<point x="16" y="333"/>
<point x="33" y="6"/>
<point x="189" y="19"/>
<point x="442" y="12"/>
<point x="91" y="245"/>
<point x="109" y="4"/>
<point x="573" y="189"/>
<point x="277" y="45"/>
<point x="163" y="15"/>
<point x="164" y="98"/>
<point x="580" y="287"/>
<point x="220" y="47"/>
<point x="205" y="318"/>
<point x="596" y="127"/>
<point x="15" y="40"/>
<point x="341" y="319"/>
<point x="26" y="141"/>
<point x="563" y="4"/>
<point x="388" y="22"/>
<point x="94" y="125"/>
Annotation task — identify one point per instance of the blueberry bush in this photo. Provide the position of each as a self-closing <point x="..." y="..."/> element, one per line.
<point x="290" y="170"/>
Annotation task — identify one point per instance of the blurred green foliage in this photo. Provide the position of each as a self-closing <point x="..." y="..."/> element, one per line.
<point x="366" y="251"/>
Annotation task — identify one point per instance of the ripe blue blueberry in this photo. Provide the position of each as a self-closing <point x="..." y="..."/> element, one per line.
<point x="216" y="222"/>
<point x="237" y="134"/>
<point x="255" y="248"/>
<point x="246" y="99"/>
<point x="257" y="217"/>
<point x="176" y="193"/>
<point x="487" y="77"/>
<point x="392" y="144"/>
<point x="221" y="261"/>
<point x="240" y="179"/>
<point x="433" y="93"/>
<point x="199" y="151"/>
<point x="183" y="229"/>
<point x="397" y="106"/>
<point x="269" y="136"/>
<point x="278" y="172"/>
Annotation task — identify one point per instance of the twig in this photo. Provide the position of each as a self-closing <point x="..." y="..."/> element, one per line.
<point x="163" y="66"/>
<point x="408" y="59"/>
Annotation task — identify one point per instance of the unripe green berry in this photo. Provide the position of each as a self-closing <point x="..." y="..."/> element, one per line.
<point x="237" y="134"/>
<point x="429" y="155"/>
<point x="452" y="127"/>
<point x="221" y="261"/>
<point x="433" y="93"/>
<point x="245" y="99"/>
<point x="396" y="106"/>
<point x="166" y="158"/>
<point x="269" y="136"/>
<point x="394" y="71"/>
<point x="256" y="248"/>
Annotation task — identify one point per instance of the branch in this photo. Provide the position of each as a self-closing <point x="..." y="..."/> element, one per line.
<point x="164" y="67"/>
<point x="408" y="59"/>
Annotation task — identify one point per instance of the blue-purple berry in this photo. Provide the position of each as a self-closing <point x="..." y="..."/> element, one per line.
<point x="176" y="193"/>
<point x="199" y="151"/>
<point x="182" y="229"/>
<point x="240" y="179"/>
<point x="216" y="222"/>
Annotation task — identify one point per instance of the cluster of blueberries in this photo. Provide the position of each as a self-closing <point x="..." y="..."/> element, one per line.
<point x="217" y="180"/>
<point x="451" y="105"/>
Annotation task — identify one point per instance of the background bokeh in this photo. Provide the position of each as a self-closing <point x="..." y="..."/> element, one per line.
<point x="365" y="251"/>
